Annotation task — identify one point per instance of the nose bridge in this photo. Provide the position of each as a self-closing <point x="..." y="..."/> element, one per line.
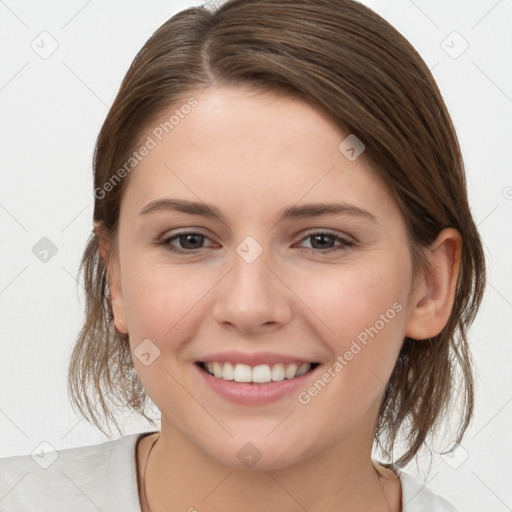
<point x="251" y="270"/>
<point x="251" y="296"/>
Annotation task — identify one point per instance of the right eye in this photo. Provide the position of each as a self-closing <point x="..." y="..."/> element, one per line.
<point x="189" y="241"/>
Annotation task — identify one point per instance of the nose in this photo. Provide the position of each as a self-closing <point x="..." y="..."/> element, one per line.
<point x="252" y="297"/>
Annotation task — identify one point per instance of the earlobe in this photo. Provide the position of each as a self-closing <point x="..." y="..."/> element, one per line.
<point x="117" y="300"/>
<point x="434" y="295"/>
<point x="114" y="281"/>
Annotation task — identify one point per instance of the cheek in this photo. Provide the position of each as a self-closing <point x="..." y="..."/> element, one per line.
<point x="164" y="304"/>
<point x="349" y="298"/>
<point x="162" y="301"/>
<point x="363" y="313"/>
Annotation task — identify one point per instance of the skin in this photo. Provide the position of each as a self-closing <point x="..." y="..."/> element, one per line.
<point x="252" y="153"/>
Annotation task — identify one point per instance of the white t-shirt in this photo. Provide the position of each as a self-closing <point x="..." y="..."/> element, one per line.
<point x="103" y="478"/>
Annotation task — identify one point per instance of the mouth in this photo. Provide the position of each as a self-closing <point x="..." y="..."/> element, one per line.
<point x="259" y="374"/>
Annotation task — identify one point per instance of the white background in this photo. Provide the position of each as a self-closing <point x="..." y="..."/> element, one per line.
<point x="51" y="112"/>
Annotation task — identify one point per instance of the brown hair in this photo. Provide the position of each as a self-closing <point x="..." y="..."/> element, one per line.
<point x="348" y="61"/>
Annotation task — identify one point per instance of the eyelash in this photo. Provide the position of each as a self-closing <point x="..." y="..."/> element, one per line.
<point x="345" y="243"/>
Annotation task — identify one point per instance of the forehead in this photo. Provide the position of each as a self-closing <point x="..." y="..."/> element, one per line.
<point x="252" y="151"/>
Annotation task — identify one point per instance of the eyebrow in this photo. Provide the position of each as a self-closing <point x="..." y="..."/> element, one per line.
<point x="292" y="212"/>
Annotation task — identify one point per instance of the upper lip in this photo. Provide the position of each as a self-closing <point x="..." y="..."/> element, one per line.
<point x="253" y="359"/>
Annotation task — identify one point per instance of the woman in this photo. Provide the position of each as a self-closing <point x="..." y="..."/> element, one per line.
<point x="283" y="260"/>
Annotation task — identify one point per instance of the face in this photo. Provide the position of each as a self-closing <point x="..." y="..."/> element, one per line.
<point x="224" y="266"/>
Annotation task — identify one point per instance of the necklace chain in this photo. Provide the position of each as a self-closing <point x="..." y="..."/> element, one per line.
<point x="144" y="499"/>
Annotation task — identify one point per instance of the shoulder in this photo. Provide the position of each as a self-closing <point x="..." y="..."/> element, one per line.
<point x="416" y="497"/>
<point x="100" y="476"/>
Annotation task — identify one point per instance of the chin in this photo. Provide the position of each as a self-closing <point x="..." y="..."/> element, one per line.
<point x="256" y="456"/>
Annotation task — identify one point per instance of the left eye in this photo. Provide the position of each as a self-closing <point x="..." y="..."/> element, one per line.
<point x="321" y="240"/>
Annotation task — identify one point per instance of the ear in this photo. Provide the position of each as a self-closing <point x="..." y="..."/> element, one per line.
<point x="111" y="261"/>
<point x="434" y="295"/>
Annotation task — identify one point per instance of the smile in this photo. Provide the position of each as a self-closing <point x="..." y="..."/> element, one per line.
<point x="260" y="374"/>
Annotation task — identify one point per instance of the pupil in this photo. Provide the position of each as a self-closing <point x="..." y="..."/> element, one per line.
<point x="322" y="239"/>
<point x="186" y="238"/>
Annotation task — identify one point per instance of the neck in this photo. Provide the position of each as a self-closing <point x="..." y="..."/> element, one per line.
<point x="339" y="478"/>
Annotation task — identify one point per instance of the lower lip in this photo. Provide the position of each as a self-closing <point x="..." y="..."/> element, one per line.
<point x="253" y="394"/>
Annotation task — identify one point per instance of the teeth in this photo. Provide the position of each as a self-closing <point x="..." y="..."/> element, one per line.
<point x="291" y="371"/>
<point x="260" y="374"/>
<point x="228" y="372"/>
<point x="277" y="372"/>
<point x="303" y="368"/>
<point x="242" y="373"/>
<point x="217" y="370"/>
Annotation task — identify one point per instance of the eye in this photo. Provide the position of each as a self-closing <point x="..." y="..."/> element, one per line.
<point x="323" y="241"/>
<point x="189" y="242"/>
